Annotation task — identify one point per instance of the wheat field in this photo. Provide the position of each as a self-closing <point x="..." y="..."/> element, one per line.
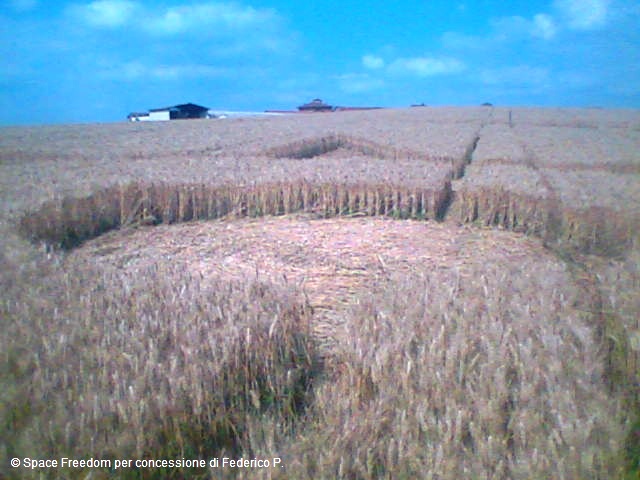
<point x="432" y="293"/>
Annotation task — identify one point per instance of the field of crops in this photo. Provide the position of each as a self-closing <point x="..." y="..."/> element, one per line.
<point x="419" y="293"/>
<point x="574" y="176"/>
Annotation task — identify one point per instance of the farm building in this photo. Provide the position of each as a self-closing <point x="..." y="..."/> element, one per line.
<point x="138" y="117"/>
<point x="316" y="105"/>
<point x="177" y="112"/>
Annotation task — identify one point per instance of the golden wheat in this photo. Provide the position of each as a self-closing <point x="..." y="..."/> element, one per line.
<point x="368" y="361"/>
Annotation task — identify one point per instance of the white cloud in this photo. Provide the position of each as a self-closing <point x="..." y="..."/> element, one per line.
<point x="219" y="29"/>
<point x="543" y="26"/>
<point x="426" y="66"/>
<point x="203" y="18"/>
<point x="504" y="30"/>
<point x="509" y="28"/>
<point x="372" y="62"/>
<point x="106" y="13"/>
<point x="565" y="14"/>
<point x="583" y="14"/>
<point x="224" y="16"/>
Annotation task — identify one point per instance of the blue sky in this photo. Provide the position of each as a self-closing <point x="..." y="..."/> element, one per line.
<point x="95" y="61"/>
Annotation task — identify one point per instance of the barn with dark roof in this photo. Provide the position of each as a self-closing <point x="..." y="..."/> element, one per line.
<point x="177" y="112"/>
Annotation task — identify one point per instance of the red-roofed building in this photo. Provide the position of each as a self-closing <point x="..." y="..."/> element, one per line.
<point x="316" y="105"/>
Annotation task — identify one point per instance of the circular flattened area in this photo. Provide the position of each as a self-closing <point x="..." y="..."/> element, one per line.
<point x="333" y="260"/>
<point x="452" y="275"/>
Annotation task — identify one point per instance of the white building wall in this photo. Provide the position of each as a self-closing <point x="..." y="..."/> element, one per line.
<point x="139" y="118"/>
<point x="161" y="115"/>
